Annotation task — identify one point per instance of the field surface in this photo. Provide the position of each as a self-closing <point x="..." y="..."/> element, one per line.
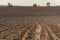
<point x="43" y="27"/>
<point x="17" y="24"/>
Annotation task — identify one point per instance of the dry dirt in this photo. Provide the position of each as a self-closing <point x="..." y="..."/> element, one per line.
<point x="26" y="26"/>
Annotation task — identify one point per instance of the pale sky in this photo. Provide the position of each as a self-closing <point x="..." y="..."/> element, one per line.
<point x="30" y="2"/>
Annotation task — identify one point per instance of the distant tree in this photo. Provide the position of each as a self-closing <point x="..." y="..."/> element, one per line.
<point x="10" y="5"/>
<point x="34" y="5"/>
<point x="48" y="3"/>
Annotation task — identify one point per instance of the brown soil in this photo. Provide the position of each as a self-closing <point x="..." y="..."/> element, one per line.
<point x="29" y="23"/>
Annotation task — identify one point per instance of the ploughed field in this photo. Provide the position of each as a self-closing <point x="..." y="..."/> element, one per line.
<point x="38" y="27"/>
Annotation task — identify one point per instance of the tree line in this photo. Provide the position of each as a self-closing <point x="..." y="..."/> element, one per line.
<point x="34" y="5"/>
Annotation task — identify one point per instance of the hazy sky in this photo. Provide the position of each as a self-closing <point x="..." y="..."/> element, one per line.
<point x="30" y="2"/>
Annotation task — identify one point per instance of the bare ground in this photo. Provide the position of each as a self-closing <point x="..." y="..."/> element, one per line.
<point x="30" y="27"/>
